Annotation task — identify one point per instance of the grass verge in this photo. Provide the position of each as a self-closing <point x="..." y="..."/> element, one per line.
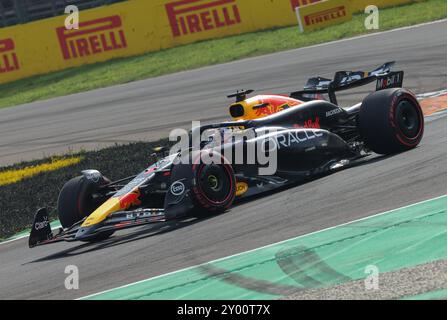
<point x="204" y="53"/>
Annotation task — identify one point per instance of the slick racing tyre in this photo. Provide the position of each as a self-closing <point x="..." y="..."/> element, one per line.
<point x="214" y="187"/>
<point x="77" y="200"/>
<point x="391" y="121"/>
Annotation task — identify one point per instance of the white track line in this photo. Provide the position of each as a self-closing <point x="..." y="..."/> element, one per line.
<point x="263" y="247"/>
<point x="434" y="94"/>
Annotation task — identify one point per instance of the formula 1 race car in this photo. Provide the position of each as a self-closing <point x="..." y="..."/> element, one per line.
<point x="304" y="134"/>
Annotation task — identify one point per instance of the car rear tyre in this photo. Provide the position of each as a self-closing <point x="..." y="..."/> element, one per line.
<point x="214" y="188"/>
<point x="391" y="121"/>
<point x="78" y="199"/>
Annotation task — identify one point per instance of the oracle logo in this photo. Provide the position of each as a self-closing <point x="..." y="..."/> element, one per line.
<point x="93" y="37"/>
<point x="41" y="225"/>
<point x="194" y="16"/>
<point x="9" y="61"/>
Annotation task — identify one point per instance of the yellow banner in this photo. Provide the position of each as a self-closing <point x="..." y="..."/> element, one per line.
<point x="323" y="14"/>
<point x="131" y="28"/>
<point x="136" y="27"/>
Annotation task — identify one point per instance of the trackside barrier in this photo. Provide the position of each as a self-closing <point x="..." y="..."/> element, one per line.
<point x="135" y="27"/>
<point x="321" y="14"/>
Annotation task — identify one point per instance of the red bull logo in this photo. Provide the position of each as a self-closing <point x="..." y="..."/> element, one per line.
<point x="326" y="15"/>
<point x="130" y="199"/>
<point x="309" y="124"/>
<point x="269" y="110"/>
<point x="93" y="37"/>
<point x="299" y="3"/>
<point x="193" y="16"/>
<point x="8" y="58"/>
<point x="273" y="107"/>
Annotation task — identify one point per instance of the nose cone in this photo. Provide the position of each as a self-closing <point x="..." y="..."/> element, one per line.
<point x="107" y="208"/>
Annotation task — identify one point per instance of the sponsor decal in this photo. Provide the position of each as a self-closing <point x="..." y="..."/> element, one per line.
<point x="393" y="80"/>
<point x="241" y="188"/>
<point x="8" y="58"/>
<point x="195" y="16"/>
<point x="144" y="213"/>
<point x="309" y="124"/>
<point x="270" y="109"/>
<point x="130" y="199"/>
<point x="41" y="225"/>
<point x="177" y="188"/>
<point x="93" y="37"/>
<point x="323" y="14"/>
<point x="299" y="3"/>
<point x="296" y="137"/>
<point x="333" y="112"/>
<point x="326" y="15"/>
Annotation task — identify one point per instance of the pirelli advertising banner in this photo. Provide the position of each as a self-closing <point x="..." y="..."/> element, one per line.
<point x="323" y="14"/>
<point x="139" y="26"/>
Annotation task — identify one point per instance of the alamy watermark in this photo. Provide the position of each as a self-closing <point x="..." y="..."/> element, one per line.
<point x="232" y="145"/>
<point x="372" y="278"/>
<point x="72" y="280"/>
<point x="72" y="20"/>
<point x="372" y="21"/>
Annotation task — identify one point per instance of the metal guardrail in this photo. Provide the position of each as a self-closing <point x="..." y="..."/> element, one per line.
<point x="22" y="11"/>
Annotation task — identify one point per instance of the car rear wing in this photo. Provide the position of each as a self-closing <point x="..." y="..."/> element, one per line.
<point x="344" y="80"/>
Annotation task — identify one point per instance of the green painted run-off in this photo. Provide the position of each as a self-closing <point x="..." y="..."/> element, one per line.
<point x="396" y="239"/>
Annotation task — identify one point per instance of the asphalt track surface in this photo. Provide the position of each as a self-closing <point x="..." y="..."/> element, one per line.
<point x="149" y="109"/>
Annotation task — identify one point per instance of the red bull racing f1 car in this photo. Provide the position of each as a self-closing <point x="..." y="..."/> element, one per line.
<point x="308" y="135"/>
